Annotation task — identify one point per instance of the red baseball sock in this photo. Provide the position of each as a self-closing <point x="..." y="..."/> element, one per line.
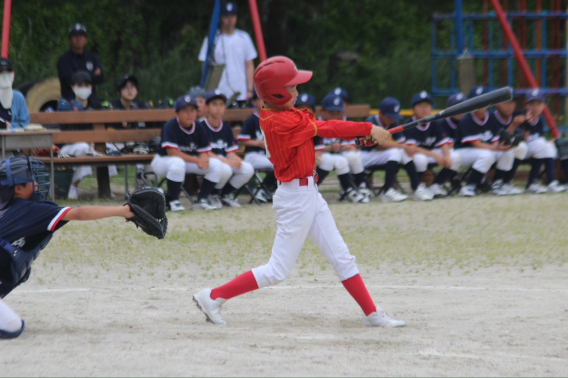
<point x="356" y="287"/>
<point x="240" y="285"/>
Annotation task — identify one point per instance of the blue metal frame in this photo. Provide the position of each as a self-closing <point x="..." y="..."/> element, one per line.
<point x="462" y="31"/>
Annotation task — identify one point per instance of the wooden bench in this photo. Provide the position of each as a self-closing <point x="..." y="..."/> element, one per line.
<point x="100" y="135"/>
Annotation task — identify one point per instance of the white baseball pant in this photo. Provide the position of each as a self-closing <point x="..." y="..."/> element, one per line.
<point x="300" y="212"/>
<point x="381" y="157"/>
<point x="258" y="160"/>
<point x="354" y="160"/>
<point x="521" y="151"/>
<point x="421" y="161"/>
<point x="482" y="159"/>
<point x="236" y="177"/>
<point x="540" y="148"/>
<point x="174" y="168"/>
<point x="329" y="162"/>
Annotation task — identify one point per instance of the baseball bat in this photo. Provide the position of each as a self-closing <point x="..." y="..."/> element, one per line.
<point x="484" y="101"/>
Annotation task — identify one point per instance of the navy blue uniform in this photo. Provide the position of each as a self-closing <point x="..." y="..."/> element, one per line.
<point x="221" y="138"/>
<point x="472" y="129"/>
<point x="251" y="131"/>
<point x="24" y="224"/>
<point x="427" y="136"/>
<point x="397" y="137"/>
<point x="449" y="128"/>
<point x="69" y="63"/>
<point x="116" y="104"/>
<point x="191" y="141"/>
<point x="536" y="129"/>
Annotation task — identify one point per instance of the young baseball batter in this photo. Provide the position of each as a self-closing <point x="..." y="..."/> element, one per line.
<point x="27" y="223"/>
<point x="299" y="208"/>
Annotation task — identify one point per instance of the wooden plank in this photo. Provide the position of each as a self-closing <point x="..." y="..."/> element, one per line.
<point x="111" y="135"/>
<point x="155" y="115"/>
<point x="99" y="160"/>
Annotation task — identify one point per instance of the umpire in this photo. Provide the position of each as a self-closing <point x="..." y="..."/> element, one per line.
<point x="77" y="59"/>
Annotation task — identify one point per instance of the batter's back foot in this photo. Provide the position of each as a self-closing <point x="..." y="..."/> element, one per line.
<point x="381" y="319"/>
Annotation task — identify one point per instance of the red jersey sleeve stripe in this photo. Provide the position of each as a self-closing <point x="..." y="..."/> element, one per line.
<point x="57" y="219"/>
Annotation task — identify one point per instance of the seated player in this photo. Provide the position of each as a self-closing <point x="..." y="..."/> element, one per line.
<point x="199" y="94"/>
<point x="505" y="118"/>
<point x="255" y="150"/>
<point x="236" y="172"/>
<point x="432" y="145"/>
<point x="386" y="154"/>
<point x="450" y="125"/>
<point x="539" y="149"/>
<point x="185" y="149"/>
<point x="331" y="156"/>
<point x="394" y="150"/>
<point x="338" y="91"/>
<point x="82" y="87"/>
<point x="27" y="222"/>
<point x="477" y="142"/>
<point x="127" y="90"/>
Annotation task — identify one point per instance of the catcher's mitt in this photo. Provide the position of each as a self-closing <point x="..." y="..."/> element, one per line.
<point x="149" y="208"/>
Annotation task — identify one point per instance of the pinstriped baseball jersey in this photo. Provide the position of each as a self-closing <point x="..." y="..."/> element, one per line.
<point x="288" y="137"/>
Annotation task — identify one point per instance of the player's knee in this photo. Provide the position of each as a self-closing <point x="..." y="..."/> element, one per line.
<point x="247" y="170"/>
<point x="395" y="154"/>
<point x="176" y="169"/>
<point x="456" y="161"/>
<point x="421" y="162"/>
<point x="484" y="161"/>
<point x="521" y="151"/>
<point x="326" y="162"/>
<point x="341" y="165"/>
<point x="405" y="158"/>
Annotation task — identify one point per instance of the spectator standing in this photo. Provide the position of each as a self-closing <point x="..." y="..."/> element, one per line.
<point x="77" y="59"/>
<point x="234" y="48"/>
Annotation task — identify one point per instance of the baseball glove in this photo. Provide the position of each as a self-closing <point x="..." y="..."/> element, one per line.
<point x="149" y="208"/>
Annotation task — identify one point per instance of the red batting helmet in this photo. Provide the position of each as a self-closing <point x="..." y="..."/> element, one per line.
<point x="272" y="76"/>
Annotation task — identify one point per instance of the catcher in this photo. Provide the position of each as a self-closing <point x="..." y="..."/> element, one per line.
<point x="28" y="221"/>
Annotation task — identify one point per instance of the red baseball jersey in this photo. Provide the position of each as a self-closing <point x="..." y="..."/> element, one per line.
<point x="288" y="138"/>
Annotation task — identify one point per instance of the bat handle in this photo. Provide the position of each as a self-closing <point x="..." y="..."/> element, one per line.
<point x="395" y="130"/>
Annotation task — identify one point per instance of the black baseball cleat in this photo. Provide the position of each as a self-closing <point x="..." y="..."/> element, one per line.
<point x="12" y="335"/>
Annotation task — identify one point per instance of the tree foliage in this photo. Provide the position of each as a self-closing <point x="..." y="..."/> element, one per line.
<point x="159" y="41"/>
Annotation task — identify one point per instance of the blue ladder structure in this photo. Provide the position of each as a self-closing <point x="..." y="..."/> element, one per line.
<point x="480" y="35"/>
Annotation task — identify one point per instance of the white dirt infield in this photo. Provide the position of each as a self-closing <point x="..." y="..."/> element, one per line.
<point x="481" y="283"/>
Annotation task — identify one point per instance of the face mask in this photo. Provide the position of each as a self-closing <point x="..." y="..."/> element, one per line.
<point x="82" y="93"/>
<point x="6" y="79"/>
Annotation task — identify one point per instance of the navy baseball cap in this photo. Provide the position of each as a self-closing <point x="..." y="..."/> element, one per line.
<point x="6" y="65"/>
<point x="210" y="96"/>
<point x="332" y="103"/>
<point x="228" y="8"/>
<point x="456" y="98"/>
<point x="477" y="91"/>
<point x="183" y="101"/>
<point x="121" y="83"/>
<point x="76" y="29"/>
<point x="421" y="97"/>
<point x="254" y="94"/>
<point x="340" y="92"/>
<point x="390" y="107"/>
<point x="81" y="77"/>
<point x="197" y="91"/>
<point x="307" y="99"/>
<point x="534" y="95"/>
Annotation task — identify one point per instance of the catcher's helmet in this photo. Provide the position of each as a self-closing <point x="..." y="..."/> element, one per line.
<point x="21" y="170"/>
<point x="272" y="76"/>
